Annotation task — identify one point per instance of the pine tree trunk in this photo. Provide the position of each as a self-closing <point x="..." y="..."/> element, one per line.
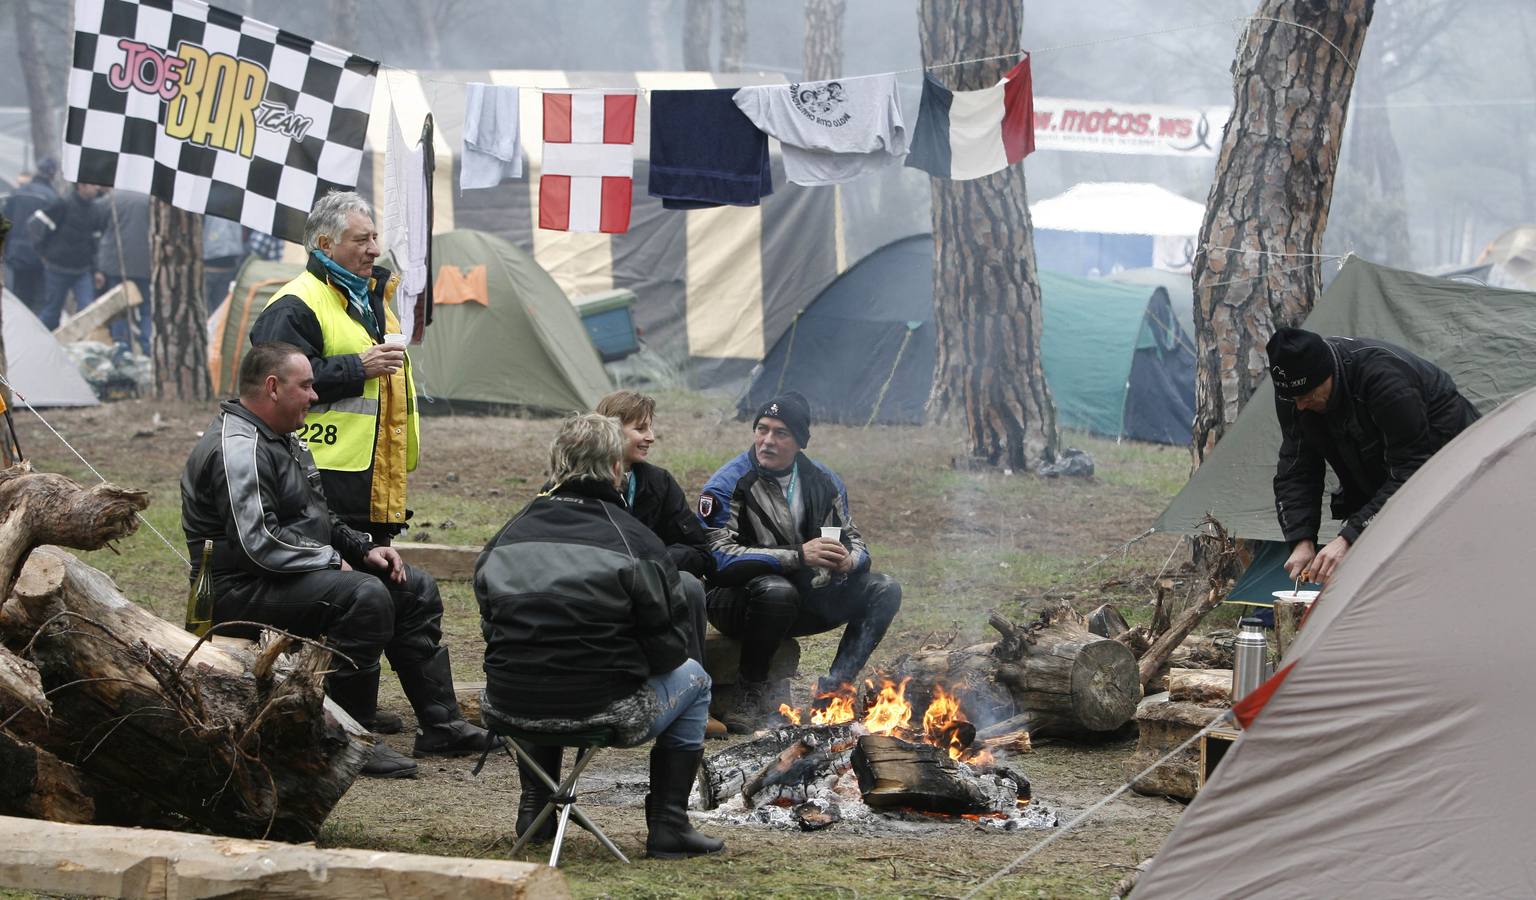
<point x="180" y="312"/>
<point x="733" y="35"/>
<point x="45" y="134"/>
<point x="987" y="315"/>
<point x="1268" y="206"/>
<point x="698" y="28"/>
<point x="824" y="39"/>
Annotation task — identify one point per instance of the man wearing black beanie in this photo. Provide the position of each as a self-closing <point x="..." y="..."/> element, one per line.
<point x="778" y="574"/>
<point x="1371" y="411"/>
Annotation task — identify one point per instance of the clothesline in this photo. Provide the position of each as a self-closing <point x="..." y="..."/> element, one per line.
<point x="979" y="59"/>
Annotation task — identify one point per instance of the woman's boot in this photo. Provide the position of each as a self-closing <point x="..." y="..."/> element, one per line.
<point x="666" y="807"/>
<point x="535" y="792"/>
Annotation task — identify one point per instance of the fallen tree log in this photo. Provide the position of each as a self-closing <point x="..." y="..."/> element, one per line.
<point x="98" y="861"/>
<point x="141" y="706"/>
<point x="35" y="783"/>
<point x="1052" y="677"/>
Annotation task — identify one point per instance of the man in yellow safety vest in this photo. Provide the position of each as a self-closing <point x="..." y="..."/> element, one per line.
<point x="365" y="431"/>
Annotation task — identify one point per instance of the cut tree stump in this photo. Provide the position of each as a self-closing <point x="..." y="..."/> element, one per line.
<point x="161" y="722"/>
<point x="895" y="774"/>
<point x="97" y="861"/>
<point x="1205" y="687"/>
<point x="1052" y="677"/>
<point x="1163" y="726"/>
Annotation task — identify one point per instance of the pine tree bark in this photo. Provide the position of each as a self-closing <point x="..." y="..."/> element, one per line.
<point x="824" y="39"/>
<point x="698" y="29"/>
<point x="986" y="292"/>
<point x="733" y="35"/>
<point x="180" y="313"/>
<point x="1268" y="206"/>
<point x="34" y="72"/>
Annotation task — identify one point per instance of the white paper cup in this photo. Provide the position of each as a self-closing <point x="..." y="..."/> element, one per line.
<point x="395" y="338"/>
<point x="832" y="532"/>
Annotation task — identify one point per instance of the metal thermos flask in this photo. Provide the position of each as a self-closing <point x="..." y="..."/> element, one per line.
<point x="1250" y="653"/>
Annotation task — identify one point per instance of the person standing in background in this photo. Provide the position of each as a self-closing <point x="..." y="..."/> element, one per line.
<point x="223" y="251"/>
<point x="26" y="275"/>
<point x="66" y="236"/>
<point x="124" y="256"/>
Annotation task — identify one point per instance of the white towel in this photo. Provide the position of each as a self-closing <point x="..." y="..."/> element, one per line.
<point x="493" y="150"/>
<point x="404" y="229"/>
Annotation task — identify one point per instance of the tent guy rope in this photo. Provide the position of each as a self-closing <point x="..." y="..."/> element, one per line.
<point x="87" y="463"/>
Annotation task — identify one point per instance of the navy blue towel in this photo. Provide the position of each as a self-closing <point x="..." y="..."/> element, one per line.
<point x="706" y="152"/>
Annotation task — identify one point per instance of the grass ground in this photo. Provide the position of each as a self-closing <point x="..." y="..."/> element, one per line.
<point x="961" y="543"/>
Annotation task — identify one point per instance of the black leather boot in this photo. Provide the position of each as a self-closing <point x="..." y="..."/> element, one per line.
<point x="670" y="835"/>
<point x="357" y="692"/>
<point x="536" y="793"/>
<point x="747" y="714"/>
<point x="441" y="729"/>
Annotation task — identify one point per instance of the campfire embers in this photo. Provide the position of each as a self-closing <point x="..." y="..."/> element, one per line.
<point x="848" y="765"/>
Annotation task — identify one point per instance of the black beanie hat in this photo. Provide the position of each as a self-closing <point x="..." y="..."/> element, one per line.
<point x="1298" y="361"/>
<point x="791" y="409"/>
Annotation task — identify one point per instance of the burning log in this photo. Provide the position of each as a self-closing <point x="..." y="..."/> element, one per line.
<point x="894" y="774"/>
<point x="813" y="816"/>
<point x="800" y="764"/>
<point x="727" y="773"/>
<point x="1051" y="677"/>
<point x="139" y="706"/>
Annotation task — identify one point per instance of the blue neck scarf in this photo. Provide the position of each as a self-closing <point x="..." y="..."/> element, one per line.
<point x="356" y="289"/>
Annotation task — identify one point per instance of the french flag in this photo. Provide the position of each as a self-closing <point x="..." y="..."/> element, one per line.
<point x="962" y="135"/>
<point x="589" y="161"/>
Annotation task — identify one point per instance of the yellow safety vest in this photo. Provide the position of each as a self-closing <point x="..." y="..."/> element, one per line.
<point x="381" y="429"/>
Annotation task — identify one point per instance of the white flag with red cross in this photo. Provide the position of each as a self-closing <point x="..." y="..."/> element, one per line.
<point x="589" y="161"/>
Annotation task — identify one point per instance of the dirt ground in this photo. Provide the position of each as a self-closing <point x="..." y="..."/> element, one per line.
<point x="961" y="543"/>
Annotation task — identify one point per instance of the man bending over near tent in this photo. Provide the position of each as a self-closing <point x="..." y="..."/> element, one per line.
<point x="1371" y="411"/>
<point x="776" y="576"/>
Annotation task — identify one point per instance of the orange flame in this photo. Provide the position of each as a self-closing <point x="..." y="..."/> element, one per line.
<point x="837" y="708"/>
<point x="789" y="713"/>
<point x="890" y="710"/>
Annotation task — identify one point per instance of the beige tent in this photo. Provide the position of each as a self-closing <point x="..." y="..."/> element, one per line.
<point x="1393" y="759"/>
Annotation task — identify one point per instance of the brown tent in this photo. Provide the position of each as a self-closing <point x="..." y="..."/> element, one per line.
<point x="1393" y="758"/>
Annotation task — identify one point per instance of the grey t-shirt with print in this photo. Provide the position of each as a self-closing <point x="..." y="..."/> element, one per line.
<point x="831" y="131"/>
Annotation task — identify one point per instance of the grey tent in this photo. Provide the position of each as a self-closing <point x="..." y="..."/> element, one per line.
<point x="1392" y="758"/>
<point x="1117" y="361"/>
<point x="36" y="364"/>
<point x="503" y="334"/>
<point x="1484" y="337"/>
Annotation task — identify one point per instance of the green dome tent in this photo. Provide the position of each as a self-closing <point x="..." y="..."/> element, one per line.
<point x="1117" y="361"/>
<point x="522" y="345"/>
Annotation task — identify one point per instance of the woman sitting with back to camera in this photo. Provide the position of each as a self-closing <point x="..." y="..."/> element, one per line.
<point x="586" y="624"/>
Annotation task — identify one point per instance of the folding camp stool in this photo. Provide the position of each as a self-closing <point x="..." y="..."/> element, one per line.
<point x="562" y="803"/>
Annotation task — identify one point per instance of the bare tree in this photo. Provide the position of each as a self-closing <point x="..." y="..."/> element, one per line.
<point x="180" y="311"/>
<point x="733" y="35"/>
<point x="986" y="291"/>
<point x="1269" y="204"/>
<point x="34" y="71"/>
<point x="824" y="39"/>
<point x="698" y="29"/>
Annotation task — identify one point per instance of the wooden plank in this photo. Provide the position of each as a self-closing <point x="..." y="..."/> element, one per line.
<point x="445" y="562"/>
<point x="79" y="326"/>
<point x="1214" y="745"/>
<point x="101" y="861"/>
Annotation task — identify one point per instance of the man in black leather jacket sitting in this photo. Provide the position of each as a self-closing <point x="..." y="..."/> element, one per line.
<point x="281" y="558"/>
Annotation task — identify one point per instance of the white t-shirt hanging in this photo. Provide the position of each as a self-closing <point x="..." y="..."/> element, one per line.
<point x="831" y="131"/>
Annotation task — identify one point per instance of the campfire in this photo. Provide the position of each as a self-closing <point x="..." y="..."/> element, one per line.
<point x="854" y="752"/>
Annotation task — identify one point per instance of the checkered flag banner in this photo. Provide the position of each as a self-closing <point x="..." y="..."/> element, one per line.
<point x="213" y="112"/>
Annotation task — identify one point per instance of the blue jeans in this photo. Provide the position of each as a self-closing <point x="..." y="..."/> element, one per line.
<point x="56" y="286"/>
<point x="684" y="695"/>
<point x="120" y="324"/>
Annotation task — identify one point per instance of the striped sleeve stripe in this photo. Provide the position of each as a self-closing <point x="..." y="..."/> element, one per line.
<point x="242" y="476"/>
